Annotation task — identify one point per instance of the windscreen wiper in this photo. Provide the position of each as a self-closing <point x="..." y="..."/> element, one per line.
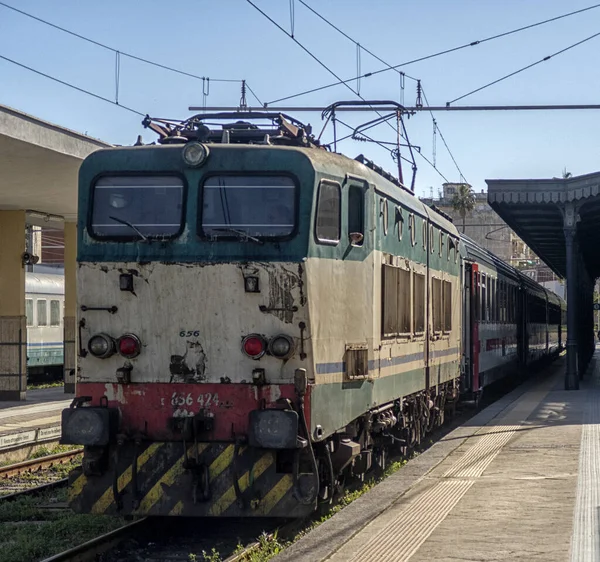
<point x="240" y="233"/>
<point x="132" y="226"/>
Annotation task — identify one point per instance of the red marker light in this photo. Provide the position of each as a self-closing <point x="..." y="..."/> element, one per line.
<point x="254" y="346"/>
<point x="129" y="346"/>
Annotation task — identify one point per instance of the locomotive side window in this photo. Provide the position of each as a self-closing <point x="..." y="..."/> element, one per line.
<point x="419" y="302"/>
<point x="130" y="207"/>
<point x="236" y="206"/>
<point x="54" y="313"/>
<point x="42" y="317"/>
<point x="29" y="311"/>
<point x="437" y="310"/>
<point x="447" y="300"/>
<point x="390" y="300"/>
<point x="356" y="214"/>
<point x="395" y="303"/>
<point x="327" y="227"/>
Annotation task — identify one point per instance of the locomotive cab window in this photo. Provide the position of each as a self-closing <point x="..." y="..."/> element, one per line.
<point x="259" y="206"/>
<point x="135" y="207"/>
<point x="356" y="215"/>
<point x="327" y="225"/>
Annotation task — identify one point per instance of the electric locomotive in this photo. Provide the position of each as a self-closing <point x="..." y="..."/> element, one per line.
<point x="259" y="320"/>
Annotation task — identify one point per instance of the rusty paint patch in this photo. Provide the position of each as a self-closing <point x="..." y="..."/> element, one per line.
<point x="281" y="300"/>
<point x="191" y="366"/>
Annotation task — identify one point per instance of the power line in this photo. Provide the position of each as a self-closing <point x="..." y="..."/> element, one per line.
<point x="72" y="86"/>
<point x="354" y="41"/>
<point x="104" y="46"/>
<point x="391" y="68"/>
<point x="526" y="67"/>
<point x="314" y="57"/>
<point x="440" y="53"/>
<point x="438" y="130"/>
<point x="347" y="86"/>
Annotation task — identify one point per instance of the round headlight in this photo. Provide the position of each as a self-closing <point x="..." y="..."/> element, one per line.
<point x="194" y="154"/>
<point x="101" y="346"/>
<point x="281" y="346"/>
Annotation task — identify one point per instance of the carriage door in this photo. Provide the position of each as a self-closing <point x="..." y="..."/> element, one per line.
<point x="467" y="327"/>
<point x="473" y="323"/>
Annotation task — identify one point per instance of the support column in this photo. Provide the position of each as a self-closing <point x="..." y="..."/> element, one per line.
<point x="571" y="376"/>
<point x="13" y="326"/>
<point x="70" y="319"/>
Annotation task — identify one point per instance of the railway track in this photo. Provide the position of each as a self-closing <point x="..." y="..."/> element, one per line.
<point x="35" y="476"/>
<point x="138" y="541"/>
<point x="41" y="463"/>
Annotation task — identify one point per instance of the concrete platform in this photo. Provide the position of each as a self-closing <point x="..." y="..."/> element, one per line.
<point x="25" y="425"/>
<point x="519" y="482"/>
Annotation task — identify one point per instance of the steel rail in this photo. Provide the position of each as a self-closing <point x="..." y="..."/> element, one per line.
<point x="33" y="465"/>
<point x="284" y="531"/>
<point x="88" y="551"/>
<point x="36" y="490"/>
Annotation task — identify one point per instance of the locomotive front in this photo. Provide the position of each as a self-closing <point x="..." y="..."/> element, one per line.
<point x="192" y="388"/>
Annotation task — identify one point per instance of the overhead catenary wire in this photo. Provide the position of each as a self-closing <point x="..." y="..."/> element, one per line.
<point x="437" y="54"/>
<point x="345" y="84"/>
<point x="402" y="77"/>
<point x="358" y="45"/>
<point x="546" y="58"/>
<point x="438" y="131"/>
<point x="122" y="53"/>
<point x="69" y="85"/>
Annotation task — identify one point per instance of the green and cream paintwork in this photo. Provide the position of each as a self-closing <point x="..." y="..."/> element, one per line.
<point x="193" y="285"/>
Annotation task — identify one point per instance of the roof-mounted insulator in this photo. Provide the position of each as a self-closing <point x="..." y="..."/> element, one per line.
<point x="419" y="102"/>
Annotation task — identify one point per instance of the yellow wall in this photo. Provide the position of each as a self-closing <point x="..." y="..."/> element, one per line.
<point x="12" y="272"/>
<point x="70" y="269"/>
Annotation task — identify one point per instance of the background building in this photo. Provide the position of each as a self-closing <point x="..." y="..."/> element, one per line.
<point x="486" y="228"/>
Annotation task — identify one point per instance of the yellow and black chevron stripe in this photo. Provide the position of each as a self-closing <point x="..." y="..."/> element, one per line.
<point x="165" y="487"/>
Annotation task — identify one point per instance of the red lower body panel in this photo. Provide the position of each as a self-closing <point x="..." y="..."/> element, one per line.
<point x="148" y="408"/>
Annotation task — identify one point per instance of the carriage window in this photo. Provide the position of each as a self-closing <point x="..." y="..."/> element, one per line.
<point x="133" y="207"/>
<point x="484" y="309"/>
<point x="54" y="313"/>
<point x="419" y="302"/>
<point x="238" y="206"/>
<point x="327" y="228"/>
<point x="42" y="317"/>
<point x="29" y="311"/>
<point x="356" y="213"/>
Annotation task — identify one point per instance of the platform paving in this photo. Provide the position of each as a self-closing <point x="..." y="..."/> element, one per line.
<point x="518" y="482"/>
<point x="34" y="421"/>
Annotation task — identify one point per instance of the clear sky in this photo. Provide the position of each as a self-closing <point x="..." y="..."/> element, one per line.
<point x="230" y="39"/>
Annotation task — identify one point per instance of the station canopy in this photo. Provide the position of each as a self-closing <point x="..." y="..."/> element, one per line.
<point x="536" y="208"/>
<point x="40" y="165"/>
